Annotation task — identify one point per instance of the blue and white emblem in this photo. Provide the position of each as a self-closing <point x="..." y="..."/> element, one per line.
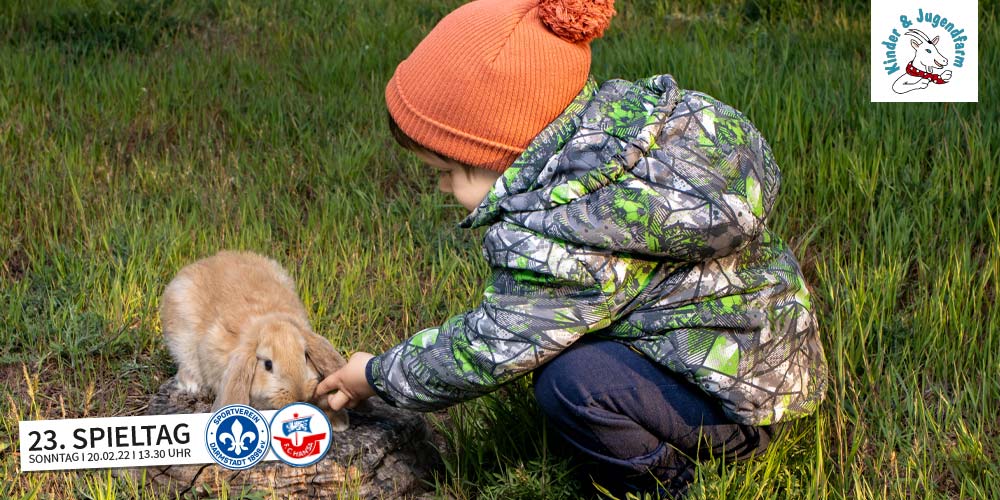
<point x="237" y="437"/>
<point x="301" y="434"/>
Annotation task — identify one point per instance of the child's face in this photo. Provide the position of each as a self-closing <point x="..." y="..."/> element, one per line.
<point x="468" y="186"/>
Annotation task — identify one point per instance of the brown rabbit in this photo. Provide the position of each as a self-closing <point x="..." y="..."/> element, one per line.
<point x="235" y="325"/>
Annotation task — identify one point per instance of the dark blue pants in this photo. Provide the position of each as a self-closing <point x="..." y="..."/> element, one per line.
<point x="635" y="420"/>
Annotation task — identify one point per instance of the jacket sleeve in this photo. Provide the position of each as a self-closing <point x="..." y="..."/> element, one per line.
<point x="542" y="297"/>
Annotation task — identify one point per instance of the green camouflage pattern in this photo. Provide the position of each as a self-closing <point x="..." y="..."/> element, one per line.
<point x="638" y="215"/>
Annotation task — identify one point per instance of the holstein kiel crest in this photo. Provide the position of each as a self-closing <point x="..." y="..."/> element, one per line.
<point x="237" y="437"/>
<point x="301" y="434"/>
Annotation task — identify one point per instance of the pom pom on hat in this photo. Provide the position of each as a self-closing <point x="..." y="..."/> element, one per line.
<point x="577" y="20"/>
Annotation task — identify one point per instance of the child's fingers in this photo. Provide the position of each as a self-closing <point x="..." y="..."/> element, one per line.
<point x="328" y="384"/>
<point x="338" y="400"/>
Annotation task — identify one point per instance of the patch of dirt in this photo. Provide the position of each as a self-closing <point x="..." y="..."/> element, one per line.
<point x="15" y="266"/>
<point x="808" y="264"/>
<point x="945" y="483"/>
<point x="22" y="384"/>
<point x="57" y="394"/>
<point x="142" y="138"/>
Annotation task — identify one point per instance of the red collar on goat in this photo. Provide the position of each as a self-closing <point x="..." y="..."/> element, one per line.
<point x="910" y="70"/>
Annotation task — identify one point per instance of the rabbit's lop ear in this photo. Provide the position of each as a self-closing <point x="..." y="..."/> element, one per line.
<point x="238" y="377"/>
<point x="322" y="355"/>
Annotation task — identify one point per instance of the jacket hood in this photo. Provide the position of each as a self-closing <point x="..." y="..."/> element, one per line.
<point x="642" y="168"/>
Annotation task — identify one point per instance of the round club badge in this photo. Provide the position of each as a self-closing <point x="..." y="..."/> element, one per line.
<point x="301" y="434"/>
<point x="237" y="437"/>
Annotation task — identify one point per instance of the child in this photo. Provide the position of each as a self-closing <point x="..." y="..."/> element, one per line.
<point x="632" y="271"/>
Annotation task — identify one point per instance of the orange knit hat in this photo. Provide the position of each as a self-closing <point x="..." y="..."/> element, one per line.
<point x="493" y="73"/>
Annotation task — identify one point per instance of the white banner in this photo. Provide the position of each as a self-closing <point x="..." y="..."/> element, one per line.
<point x="113" y="442"/>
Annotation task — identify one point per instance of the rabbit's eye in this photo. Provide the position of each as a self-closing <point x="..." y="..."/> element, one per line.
<point x="267" y="365"/>
<point x="928" y="50"/>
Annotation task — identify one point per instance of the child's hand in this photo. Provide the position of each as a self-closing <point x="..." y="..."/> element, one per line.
<point x="349" y="382"/>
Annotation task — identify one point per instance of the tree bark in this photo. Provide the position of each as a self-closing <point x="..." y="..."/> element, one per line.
<point x="386" y="453"/>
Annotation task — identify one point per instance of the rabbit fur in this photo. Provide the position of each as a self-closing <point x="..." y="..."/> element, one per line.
<point x="235" y="326"/>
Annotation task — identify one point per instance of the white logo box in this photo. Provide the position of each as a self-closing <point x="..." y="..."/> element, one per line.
<point x="955" y="25"/>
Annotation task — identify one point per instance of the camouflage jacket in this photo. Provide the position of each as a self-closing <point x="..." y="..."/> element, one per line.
<point x="639" y="215"/>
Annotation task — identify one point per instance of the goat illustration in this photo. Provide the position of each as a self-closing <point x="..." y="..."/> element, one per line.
<point x="920" y="70"/>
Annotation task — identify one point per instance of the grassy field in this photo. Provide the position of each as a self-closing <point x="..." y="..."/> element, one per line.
<point x="137" y="136"/>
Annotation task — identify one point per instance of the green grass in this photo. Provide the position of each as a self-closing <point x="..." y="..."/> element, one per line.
<point x="136" y="137"/>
